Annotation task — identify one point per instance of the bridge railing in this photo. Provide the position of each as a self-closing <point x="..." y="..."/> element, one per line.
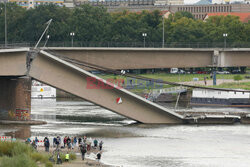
<point x="131" y="44"/>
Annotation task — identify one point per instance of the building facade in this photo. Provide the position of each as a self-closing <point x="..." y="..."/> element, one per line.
<point x="34" y="3"/>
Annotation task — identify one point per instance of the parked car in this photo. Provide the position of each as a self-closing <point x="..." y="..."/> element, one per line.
<point x="236" y="72"/>
<point x="182" y="72"/>
<point x="174" y="70"/>
<point x="222" y="72"/>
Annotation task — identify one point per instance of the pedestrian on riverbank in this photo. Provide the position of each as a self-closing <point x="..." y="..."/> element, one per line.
<point x="36" y="141"/>
<point x="58" y="142"/>
<point x="68" y="143"/>
<point x="54" y="142"/>
<point x="79" y="141"/>
<point x="64" y="141"/>
<point x="67" y="157"/>
<point x="95" y="143"/>
<point x="75" y="141"/>
<point x="33" y="144"/>
<point x="98" y="156"/>
<point x="205" y="81"/>
<point x="46" y="144"/>
<point x="100" y="145"/>
<point x="83" y="150"/>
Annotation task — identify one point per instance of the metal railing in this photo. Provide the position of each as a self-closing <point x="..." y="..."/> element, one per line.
<point x="130" y="44"/>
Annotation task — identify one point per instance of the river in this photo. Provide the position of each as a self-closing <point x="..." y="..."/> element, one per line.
<point x="135" y="145"/>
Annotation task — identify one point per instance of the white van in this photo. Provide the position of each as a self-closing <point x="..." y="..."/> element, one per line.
<point x="174" y="70"/>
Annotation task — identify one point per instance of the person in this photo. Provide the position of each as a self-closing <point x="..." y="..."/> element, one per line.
<point x="83" y="150"/>
<point x="98" y="156"/>
<point x="28" y="140"/>
<point x="33" y="144"/>
<point x="36" y="141"/>
<point x="67" y="157"/>
<point x="79" y="141"/>
<point x="72" y="142"/>
<point x="68" y="143"/>
<point x="58" y="141"/>
<point x="75" y="141"/>
<point x="59" y="160"/>
<point x="54" y="142"/>
<point x="205" y="80"/>
<point x="100" y="145"/>
<point x="95" y="143"/>
<point x="46" y="144"/>
<point x="64" y="141"/>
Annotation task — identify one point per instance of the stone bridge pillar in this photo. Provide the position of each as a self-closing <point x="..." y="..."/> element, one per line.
<point x="15" y="98"/>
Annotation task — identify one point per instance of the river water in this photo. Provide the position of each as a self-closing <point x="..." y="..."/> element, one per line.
<point x="135" y="145"/>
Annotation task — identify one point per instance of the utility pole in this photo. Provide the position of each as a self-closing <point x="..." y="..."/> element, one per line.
<point x="163" y="35"/>
<point x="5" y="23"/>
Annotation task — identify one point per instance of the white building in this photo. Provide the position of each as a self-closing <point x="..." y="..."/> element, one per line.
<point x="168" y="2"/>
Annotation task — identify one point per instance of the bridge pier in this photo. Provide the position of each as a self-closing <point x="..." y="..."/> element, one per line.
<point x="15" y="98"/>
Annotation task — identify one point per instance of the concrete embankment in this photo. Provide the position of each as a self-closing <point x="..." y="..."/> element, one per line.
<point x="30" y="122"/>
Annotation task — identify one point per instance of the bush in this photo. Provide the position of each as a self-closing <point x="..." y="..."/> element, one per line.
<point x="48" y="164"/>
<point x="17" y="154"/>
<point x="238" y="78"/>
<point x="40" y="157"/>
<point x="72" y="156"/>
<point x="18" y="161"/>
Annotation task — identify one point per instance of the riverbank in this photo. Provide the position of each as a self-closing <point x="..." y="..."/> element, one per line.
<point x="30" y="122"/>
<point x="89" y="161"/>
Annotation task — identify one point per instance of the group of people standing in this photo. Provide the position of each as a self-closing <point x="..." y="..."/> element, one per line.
<point x="84" y="144"/>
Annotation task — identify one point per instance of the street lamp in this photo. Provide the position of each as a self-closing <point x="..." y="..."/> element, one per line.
<point x="225" y="40"/>
<point x="163" y="35"/>
<point x="72" y="34"/>
<point x="144" y="36"/>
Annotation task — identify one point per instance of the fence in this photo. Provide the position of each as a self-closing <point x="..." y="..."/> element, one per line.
<point x="128" y="44"/>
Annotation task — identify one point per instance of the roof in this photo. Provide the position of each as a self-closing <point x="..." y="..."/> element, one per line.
<point x="203" y="2"/>
<point x="244" y="17"/>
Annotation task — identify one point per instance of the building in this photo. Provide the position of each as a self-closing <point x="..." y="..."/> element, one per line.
<point x="200" y="11"/>
<point x="34" y="3"/>
<point x="244" y="17"/>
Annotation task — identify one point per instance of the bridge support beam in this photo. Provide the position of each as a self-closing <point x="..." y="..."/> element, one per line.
<point x="15" y="98"/>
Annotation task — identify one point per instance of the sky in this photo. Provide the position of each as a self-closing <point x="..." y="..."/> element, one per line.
<point x="194" y="1"/>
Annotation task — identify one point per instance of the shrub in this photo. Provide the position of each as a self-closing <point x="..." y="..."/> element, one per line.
<point x="238" y="78"/>
<point x="18" y="161"/>
<point x="72" y="156"/>
<point x="48" y="164"/>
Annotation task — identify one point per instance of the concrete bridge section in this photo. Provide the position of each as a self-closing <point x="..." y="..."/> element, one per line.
<point x="65" y="76"/>
<point x="19" y="65"/>
<point x="148" y="58"/>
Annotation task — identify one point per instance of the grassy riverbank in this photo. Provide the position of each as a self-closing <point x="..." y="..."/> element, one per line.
<point x="175" y="77"/>
<point x="235" y="85"/>
<point x="18" y="154"/>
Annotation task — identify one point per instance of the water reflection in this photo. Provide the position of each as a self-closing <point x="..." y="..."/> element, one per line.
<point x="20" y="131"/>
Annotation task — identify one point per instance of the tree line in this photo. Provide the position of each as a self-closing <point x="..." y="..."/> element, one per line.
<point x="95" y="24"/>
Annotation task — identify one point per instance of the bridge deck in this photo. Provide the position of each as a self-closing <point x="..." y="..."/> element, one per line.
<point x="65" y="76"/>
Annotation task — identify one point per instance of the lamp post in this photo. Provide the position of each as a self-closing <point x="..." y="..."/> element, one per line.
<point x="163" y="35"/>
<point x="72" y="34"/>
<point x="225" y="40"/>
<point x="5" y="23"/>
<point x="144" y="36"/>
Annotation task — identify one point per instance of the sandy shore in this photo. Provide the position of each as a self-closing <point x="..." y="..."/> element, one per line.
<point x="89" y="161"/>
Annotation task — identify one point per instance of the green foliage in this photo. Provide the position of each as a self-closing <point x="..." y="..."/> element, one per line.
<point x="18" y="161"/>
<point x="48" y="164"/>
<point x="96" y="25"/>
<point x="238" y="78"/>
<point x="17" y="154"/>
<point x="72" y="156"/>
